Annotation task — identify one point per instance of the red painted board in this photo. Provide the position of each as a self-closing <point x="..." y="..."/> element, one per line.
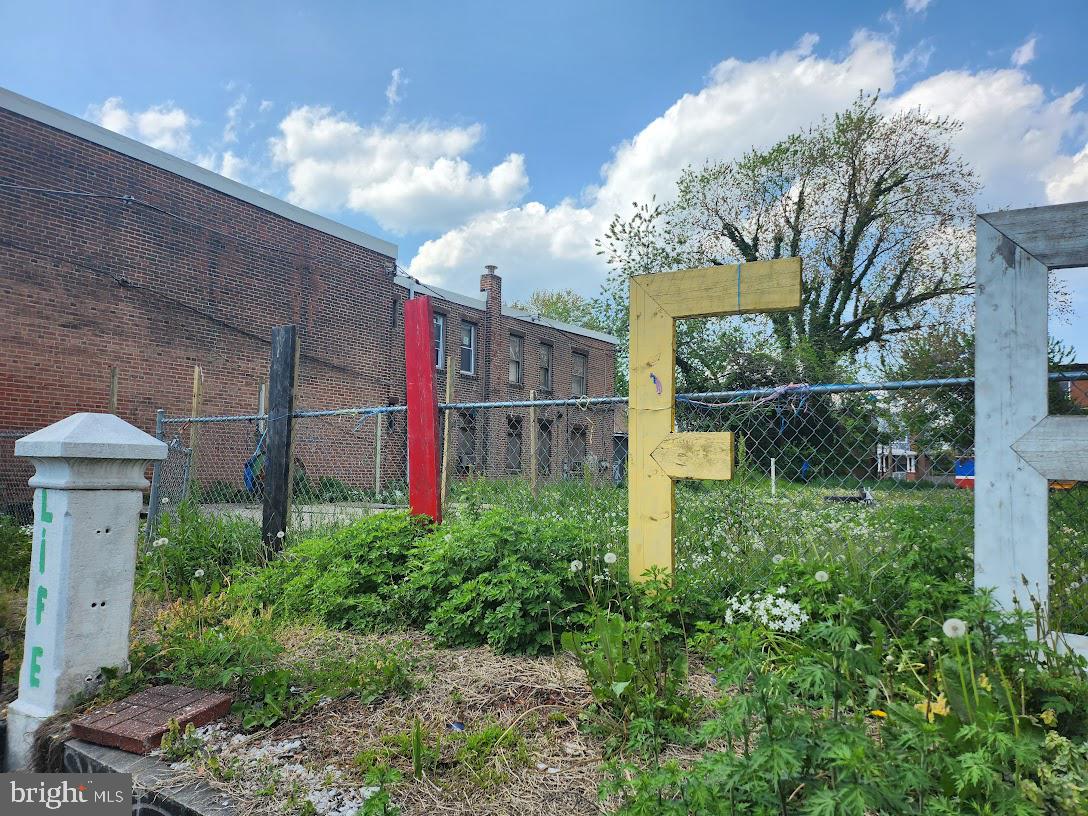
<point x="423" y="471"/>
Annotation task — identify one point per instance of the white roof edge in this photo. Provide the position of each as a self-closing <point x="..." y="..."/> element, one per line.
<point x="481" y="303"/>
<point x="445" y="294"/>
<point x="90" y="132"/>
<point x="570" y="328"/>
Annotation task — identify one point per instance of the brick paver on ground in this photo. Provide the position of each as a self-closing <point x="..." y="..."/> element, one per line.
<point x="137" y="723"/>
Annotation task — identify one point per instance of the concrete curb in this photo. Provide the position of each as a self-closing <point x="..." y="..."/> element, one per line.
<point x="156" y="789"/>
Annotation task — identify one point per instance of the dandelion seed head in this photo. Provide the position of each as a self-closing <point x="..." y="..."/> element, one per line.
<point x="954" y="628"/>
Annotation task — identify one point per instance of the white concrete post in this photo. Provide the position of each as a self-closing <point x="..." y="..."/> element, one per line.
<point x="89" y="481"/>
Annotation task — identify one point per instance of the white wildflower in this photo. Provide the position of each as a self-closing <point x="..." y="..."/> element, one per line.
<point x="954" y="628"/>
<point x="165" y="500"/>
<point x="160" y="542"/>
<point x="198" y="574"/>
<point x="778" y="559"/>
<point x="575" y="565"/>
<point x="279" y="534"/>
<point x="610" y="558"/>
<point x="822" y="577"/>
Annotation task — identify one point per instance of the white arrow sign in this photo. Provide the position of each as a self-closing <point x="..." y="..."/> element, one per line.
<point x="1057" y="447"/>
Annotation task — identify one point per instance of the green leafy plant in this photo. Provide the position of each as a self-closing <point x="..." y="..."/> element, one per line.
<point x="342" y="578"/>
<point x="15" y="548"/>
<point x="178" y="745"/>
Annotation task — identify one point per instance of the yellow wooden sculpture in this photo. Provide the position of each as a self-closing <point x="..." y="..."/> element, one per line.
<point x="658" y="455"/>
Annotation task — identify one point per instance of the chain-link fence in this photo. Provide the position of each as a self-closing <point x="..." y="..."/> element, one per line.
<point x="15" y="494"/>
<point x="854" y="474"/>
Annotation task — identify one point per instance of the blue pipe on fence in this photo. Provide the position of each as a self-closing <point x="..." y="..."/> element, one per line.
<point x="586" y="402"/>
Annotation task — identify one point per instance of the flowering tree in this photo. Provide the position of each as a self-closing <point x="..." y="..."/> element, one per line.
<point x="879" y="206"/>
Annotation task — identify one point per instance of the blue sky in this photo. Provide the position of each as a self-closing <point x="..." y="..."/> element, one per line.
<point x="508" y="133"/>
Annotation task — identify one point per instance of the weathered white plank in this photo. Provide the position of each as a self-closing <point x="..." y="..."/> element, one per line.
<point x="1057" y="447"/>
<point x="1056" y="236"/>
<point x="1010" y="400"/>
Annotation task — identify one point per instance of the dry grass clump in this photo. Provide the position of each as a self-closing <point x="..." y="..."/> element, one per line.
<point x="520" y="750"/>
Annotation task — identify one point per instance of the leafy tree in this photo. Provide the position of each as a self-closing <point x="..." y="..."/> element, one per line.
<point x="565" y="305"/>
<point x="879" y="207"/>
<point x="944" y="418"/>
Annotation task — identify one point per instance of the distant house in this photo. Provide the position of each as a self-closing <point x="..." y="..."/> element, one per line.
<point x="898" y="460"/>
<point x="1076" y="390"/>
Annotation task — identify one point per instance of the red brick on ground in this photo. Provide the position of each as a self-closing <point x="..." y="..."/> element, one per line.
<point x="137" y="723"/>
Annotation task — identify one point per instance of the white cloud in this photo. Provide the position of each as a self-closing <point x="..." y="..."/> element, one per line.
<point x="231" y="165"/>
<point x="408" y="177"/>
<point x="392" y="90"/>
<point x="265" y="106"/>
<point x="234" y="118"/>
<point x="1067" y="179"/>
<point x="1025" y="53"/>
<point x="742" y="105"/>
<point x="1013" y="132"/>
<point x="916" y="6"/>
<point x="166" y="126"/>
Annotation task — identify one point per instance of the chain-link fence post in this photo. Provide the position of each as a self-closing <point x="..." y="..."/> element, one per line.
<point x="154" y="501"/>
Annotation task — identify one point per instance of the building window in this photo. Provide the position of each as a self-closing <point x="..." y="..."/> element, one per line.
<point x="516" y="346"/>
<point x="468" y="348"/>
<point x="546" y="367"/>
<point x="578" y="375"/>
<point x="513" y="444"/>
<point x="439" y="341"/>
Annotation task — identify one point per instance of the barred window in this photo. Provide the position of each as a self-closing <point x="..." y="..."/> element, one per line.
<point x="513" y="444"/>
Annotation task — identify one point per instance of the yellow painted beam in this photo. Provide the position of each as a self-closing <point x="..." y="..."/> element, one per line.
<point x="657" y="455"/>
<point x="652" y="396"/>
<point x="696" y="455"/>
<point x="765" y="286"/>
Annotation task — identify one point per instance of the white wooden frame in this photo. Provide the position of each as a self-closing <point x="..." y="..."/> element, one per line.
<point x="1017" y="446"/>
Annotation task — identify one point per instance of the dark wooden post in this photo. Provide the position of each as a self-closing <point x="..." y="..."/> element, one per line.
<point x="282" y="375"/>
<point x="424" y="494"/>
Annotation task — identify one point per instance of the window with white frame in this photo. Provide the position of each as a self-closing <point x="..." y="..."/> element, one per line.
<point x="439" y="341"/>
<point x="468" y="347"/>
<point x="517" y="345"/>
<point x="546" y="355"/>
<point x="578" y="367"/>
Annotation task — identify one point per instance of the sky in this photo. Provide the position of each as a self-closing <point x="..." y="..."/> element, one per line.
<point x="507" y="133"/>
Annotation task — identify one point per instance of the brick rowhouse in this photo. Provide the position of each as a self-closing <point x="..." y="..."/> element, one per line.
<point x="169" y="266"/>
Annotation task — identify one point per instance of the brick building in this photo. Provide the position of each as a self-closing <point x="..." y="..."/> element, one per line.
<point x="122" y="263"/>
<point x="500" y="354"/>
<point x="1077" y="390"/>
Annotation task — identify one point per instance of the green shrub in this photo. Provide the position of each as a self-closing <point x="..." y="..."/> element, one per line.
<point x="341" y="578"/>
<point x="15" y="547"/>
<point x="499" y="578"/>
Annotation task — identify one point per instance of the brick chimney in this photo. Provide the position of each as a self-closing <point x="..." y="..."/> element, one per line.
<point x="495" y="354"/>
<point x="491" y="284"/>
